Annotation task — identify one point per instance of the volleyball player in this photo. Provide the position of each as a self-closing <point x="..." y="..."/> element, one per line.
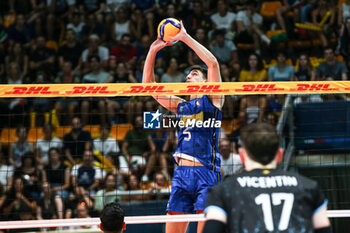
<point x="112" y="218"/>
<point x="262" y="198"/>
<point x="197" y="153"/>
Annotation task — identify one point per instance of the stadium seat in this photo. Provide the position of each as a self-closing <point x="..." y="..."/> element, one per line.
<point x="299" y="44"/>
<point x="52" y="45"/>
<point x="119" y="131"/>
<point x="61" y="131"/>
<point x="94" y="130"/>
<point x="228" y="125"/>
<point x="245" y="46"/>
<point x="8" y="136"/>
<point x="268" y="9"/>
<point x="34" y="134"/>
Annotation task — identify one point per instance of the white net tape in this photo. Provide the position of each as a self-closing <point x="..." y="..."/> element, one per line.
<point x="128" y="220"/>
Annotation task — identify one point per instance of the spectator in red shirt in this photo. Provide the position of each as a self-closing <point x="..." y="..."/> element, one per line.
<point x="125" y="51"/>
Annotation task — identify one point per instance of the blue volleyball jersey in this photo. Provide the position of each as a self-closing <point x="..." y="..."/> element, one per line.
<point x="199" y="139"/>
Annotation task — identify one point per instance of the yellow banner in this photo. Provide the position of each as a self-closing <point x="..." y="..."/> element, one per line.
<point x="140" y="89"/>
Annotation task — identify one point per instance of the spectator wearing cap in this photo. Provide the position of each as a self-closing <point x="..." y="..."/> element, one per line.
<point x="95" y="76"/>
<point x="224" y="50"/>
<point x="70" y="52"/>
<point x="94" y="49"/>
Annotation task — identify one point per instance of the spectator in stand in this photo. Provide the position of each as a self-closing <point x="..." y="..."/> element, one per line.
<point x="281" y="71"/>
<point x="223" y="19"/>
<point x="91" y="6"/>
<point x="255" y="106"/>
<point x="197" y="19"/>
<point x="76" y="25"/>
<point x="272" y="118"/>
<point x="344" y="40"/>
<point x="70" y="52"/>
<point x="19" y="56"/>
<point x="32" y="175"/>
<point x="331" y="69"/>
<point x="65" y="110"/>
<point x="158" y="161"/>
<point x="15" y="106"/>
<point x="235" y="136"/>
<point x="57" y="11"/>
<point x="254" y="70"/>
<point x="44" y="144"/>
<point x="249" y="23"/>
<point x="21" y="31"/>
<point x="145" y="5"/>
<point x="42" y="58"/>
<point x="160" y="184"/>
<point x="96" y="76"/>
<point x="224" y="50"/>
<point x="16" y="199"/>
<point x="76" y="142"/>
<point x="86" y="178"/>
<point x="173" y="74"/>
<point x="288" y="5"/>
<point x="125" y="51"/>
<point x="136" y="148"/>
<point x="94" y="50"/>
<point x="343" y="12"/>
<point x="82" y="211"/>
<point x="134" y="185"/>
<point x="324" y="6"/>
<point x="50" y="206"/>
<point x="106" y="195"/>
<point x="6" y="174"/>
<point x="141" y="24"/>
<point x="93" y="27"/>
<point x="201" y="37"/>
<point x="230" y="162"/>
<point x="142" y="51"/>
<point x="305" y="71"/>
<point x="105" y="144"/>
<point x="57" y="174"/>
<point x="20" y="147"/>
<point x="115" y="5"/>
<point x="122" y="25"/>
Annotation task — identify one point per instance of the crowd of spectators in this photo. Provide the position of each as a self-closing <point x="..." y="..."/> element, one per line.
<point x="106" y="41"/>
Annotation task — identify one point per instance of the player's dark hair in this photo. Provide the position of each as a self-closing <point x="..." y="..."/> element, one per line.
<point x="260" y="141"/>
<point x="112" y="217"/>
<point x="203" y="70"/>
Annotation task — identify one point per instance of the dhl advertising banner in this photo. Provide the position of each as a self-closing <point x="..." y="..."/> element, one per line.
<point x="225" y="88"/>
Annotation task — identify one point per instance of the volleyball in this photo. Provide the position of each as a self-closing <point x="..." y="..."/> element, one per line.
<point x="167" y="28"/>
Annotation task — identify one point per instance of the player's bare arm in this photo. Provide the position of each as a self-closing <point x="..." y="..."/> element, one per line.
<point x="169" y="102"/>
<point x="207" y="57"/>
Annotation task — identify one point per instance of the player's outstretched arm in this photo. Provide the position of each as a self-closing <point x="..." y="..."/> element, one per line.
<point x="169" y="102"/>
<point x="207" y="57"/>
<point x="321" y="221"/>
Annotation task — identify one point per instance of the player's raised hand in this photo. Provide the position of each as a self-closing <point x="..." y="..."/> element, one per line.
<point x="158" y="44"/>
<point x="181" y="35"/>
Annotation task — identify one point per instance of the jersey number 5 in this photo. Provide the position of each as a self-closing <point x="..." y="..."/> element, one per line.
<point x="188" y="133"/>
<point x="265" y="201"/>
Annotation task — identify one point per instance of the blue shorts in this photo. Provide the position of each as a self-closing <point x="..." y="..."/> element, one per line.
<point x="189" y="188"/>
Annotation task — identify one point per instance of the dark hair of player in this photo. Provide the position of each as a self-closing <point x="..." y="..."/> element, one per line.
<point x="112" y="217"/>
<point x="261" y="142"/>
<point x="203" y="70"/>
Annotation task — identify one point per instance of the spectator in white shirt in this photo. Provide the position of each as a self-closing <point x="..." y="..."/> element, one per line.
<point x="105" y="144"/>
<point x="6" y="174"/>
<point x="224" y="50"/>
<point x="230" y="162"/>
<point x="249" y="27"/>
<point x="44" y="144"/>
<point x="223" y="19"/>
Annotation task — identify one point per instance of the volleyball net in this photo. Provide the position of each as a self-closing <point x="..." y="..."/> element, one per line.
<point x="49" y="131"/>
